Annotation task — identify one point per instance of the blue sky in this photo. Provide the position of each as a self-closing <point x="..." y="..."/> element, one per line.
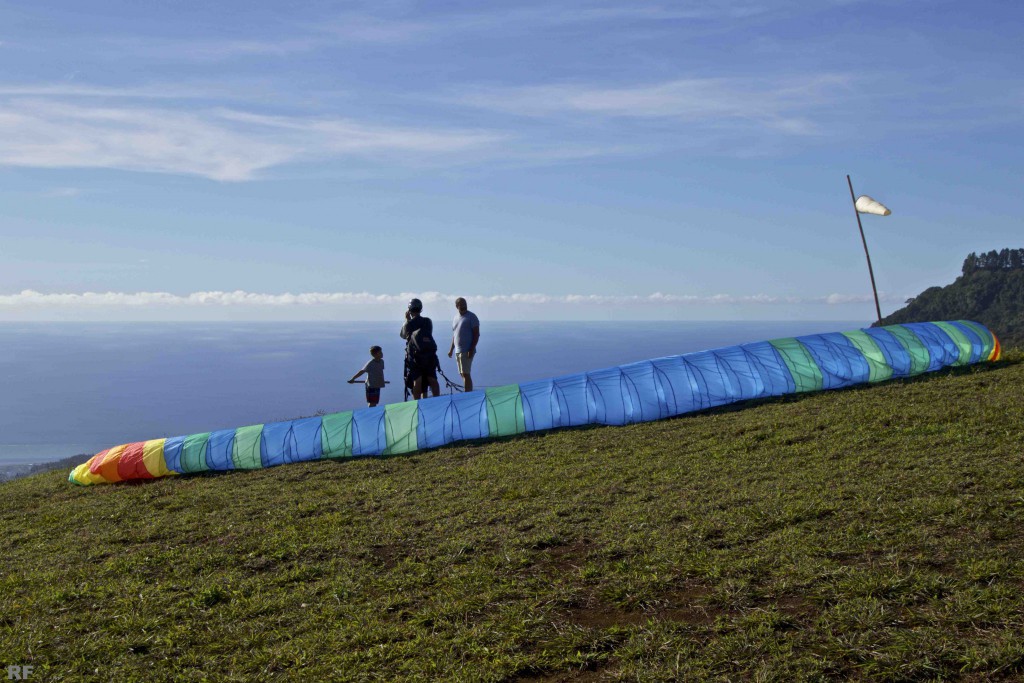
<point x="591" y="160"/>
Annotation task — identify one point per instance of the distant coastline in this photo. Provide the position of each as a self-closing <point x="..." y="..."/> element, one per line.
<point x="17" y="471"/>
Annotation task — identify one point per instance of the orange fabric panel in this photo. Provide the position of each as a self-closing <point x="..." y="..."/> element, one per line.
<point x="97" y="460"/>
<point x="997" y="350"/>
<point x="108" y="468"/>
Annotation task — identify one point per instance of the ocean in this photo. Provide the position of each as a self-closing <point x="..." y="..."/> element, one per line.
<point x="77" y="388"/>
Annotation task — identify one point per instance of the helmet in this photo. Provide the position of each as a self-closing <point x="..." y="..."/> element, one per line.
<point x="415" y="305"/>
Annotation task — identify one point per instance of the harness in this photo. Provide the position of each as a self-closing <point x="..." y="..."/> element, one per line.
<point x="449" y="384"/>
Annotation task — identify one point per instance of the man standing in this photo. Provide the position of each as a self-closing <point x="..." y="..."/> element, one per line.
<point x="420" y="352"/>
<point x="465" y="335"/>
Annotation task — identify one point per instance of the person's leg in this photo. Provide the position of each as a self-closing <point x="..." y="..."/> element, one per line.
<point x="416" y="379"/>
<point x="430" y="376"/>
<point x="465" y="364"/>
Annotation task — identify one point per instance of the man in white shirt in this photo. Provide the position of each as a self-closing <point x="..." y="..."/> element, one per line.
<point x="465" y="335"/>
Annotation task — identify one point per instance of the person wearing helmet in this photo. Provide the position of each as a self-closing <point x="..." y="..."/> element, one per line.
<point x="420" y="352"/>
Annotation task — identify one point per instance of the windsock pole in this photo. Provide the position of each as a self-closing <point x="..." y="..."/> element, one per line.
<point x="871" y="272"/>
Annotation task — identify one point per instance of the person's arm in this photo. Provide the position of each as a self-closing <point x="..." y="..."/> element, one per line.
<point x="451" y="349"/>
<point x="476" y="338"/>
<point x="353" y="380"/>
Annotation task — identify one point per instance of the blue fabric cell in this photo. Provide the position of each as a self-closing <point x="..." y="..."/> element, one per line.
<point x="306" y="433"/>
<point x="854" y="361"/>
<point x="746" y="379"/>
<point x="895" y="354"/>
<point x="765" y="359"/>
<point x="219" y="452"/>
<point x="444" y="419"/>
<point x="434" y="422"/>
<point x="645" y="392"/>
<point x="941" y="348"/>
<point x="469" y="416"/>
<point x="369" y="436"/>
<point x="841" y="363"/>
<point x="719" y="382"/>
<point x="682" y="386"/>
<point x="276" y="445"/>
<point x="575" y="404"/>
<point x="540" y="409"/>
<point x="172" y="453"/>
<point x="612" y="405"/>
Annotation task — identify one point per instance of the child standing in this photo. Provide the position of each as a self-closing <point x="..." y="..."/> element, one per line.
<point x="374" y="370"/>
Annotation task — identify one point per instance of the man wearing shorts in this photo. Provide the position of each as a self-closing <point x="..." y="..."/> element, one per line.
<point x="420" y="352"/>
<point x="465" y="335"/>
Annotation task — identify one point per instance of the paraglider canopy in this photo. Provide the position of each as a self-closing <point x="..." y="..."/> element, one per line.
<point x="866" y="204"/>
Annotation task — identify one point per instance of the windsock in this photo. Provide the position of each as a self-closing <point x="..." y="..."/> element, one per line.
<point x="866" y="204"/>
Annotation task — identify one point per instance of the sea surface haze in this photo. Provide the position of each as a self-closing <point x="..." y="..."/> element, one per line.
<point x="70" y="388"/>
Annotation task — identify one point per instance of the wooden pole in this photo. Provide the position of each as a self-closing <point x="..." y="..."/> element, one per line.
<point x="871" y="271"/>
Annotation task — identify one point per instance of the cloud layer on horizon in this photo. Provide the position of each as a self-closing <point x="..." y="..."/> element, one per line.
<point x="33" y="299"/>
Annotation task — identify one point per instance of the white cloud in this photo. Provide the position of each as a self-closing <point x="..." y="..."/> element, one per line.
<point x="169" y="91"/>
<point x="780" y="104"/>
<point x="33" y="299"/>
<point x="218" y="144"/>
<point x="375" y="24"/>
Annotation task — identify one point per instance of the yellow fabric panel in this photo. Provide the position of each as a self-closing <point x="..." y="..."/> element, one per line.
<point x="83" y="476"/>
<point x="153" y="458"/>
<point x="87" y="477"/>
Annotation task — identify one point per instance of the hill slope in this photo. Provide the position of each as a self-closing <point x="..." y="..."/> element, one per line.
<point x="870" y="534"/>
<point x="990" y="290"/>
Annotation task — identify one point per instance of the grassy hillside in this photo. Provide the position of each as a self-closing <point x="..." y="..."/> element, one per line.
<point x="869" y="534"/>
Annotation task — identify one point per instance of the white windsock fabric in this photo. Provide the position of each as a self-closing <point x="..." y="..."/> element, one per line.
<point x="866" y="204"/>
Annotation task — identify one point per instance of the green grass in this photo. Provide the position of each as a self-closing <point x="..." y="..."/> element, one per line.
<point x="867" y="534"/>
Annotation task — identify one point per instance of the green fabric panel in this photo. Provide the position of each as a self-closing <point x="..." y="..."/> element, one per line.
<point x="919" y="356"/>
<point x="193" y="453"/>
<point x="336" y="435"/>
<point x="985" y="336"/>
<point x="806" y="373"/>
<point x="246" y="453"/>
<point x="879" y="369"/>
<point x="505" y="410"/>
<point x="400" y="422"/>
<point x="962" y="342"/>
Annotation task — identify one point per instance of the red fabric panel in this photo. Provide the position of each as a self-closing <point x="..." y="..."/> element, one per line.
<point x="131" y="465"/>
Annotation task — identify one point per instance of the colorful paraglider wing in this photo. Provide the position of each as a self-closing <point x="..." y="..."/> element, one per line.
<point x="636" y="392"/>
